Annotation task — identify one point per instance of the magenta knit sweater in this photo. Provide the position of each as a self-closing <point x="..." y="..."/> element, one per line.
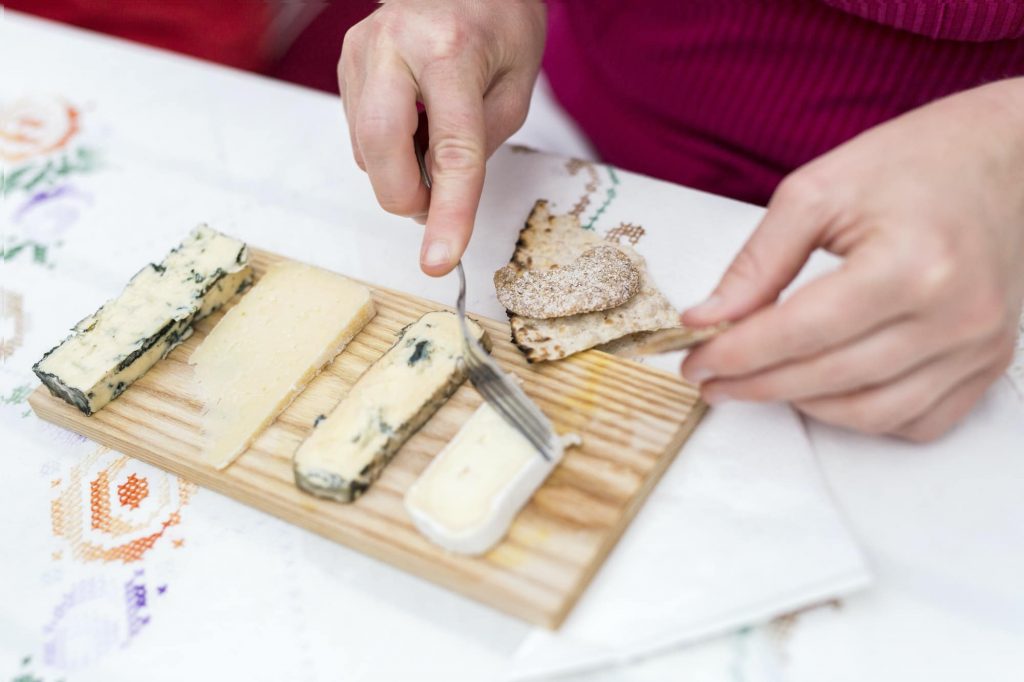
<point x="730" y="95"/>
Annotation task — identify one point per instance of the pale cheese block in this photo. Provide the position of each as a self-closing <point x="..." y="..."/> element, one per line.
<point x="121" y="341"/>
<point x="393" y="398"/>
<point x="268" y="347"/>
<point x="469" y="495"/>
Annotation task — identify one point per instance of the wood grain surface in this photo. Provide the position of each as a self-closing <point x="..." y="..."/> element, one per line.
<point x="633" y="421"/>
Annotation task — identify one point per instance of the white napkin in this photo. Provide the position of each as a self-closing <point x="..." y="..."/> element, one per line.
<point x="739" y="530"/>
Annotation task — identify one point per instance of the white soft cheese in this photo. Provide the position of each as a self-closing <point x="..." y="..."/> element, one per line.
<point x="268" y="347"/>
<point x="467" y="498"/>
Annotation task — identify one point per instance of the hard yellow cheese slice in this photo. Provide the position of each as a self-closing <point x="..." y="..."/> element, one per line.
<point x="268" y="347"/>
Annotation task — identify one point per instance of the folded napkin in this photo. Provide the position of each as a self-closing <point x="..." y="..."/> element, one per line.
<point x="739" y="530"/>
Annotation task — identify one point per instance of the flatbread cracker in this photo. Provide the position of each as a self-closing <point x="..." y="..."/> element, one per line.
<point x="662" y="341"/>
<point x="556" y="240"/>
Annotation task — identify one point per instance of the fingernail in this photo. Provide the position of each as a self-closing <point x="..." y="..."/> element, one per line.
<point x="697" y="375"/>
<point x="421" y="219"/>
<point x="437" y="253"/>
<point x="707" y="306"/>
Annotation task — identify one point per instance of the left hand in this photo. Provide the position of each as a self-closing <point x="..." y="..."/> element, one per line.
<point x="927" y="211"/>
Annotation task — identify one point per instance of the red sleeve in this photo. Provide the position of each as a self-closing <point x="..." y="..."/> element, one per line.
<point x="980" y="21"/>
<point x="231" y="33"/>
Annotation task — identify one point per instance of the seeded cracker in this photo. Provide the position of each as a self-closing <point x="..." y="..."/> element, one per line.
<point x="548" y="241"/>
<point x="601" y="278"/>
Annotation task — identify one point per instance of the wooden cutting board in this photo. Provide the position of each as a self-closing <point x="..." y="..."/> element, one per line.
<point x="633" y="421"/>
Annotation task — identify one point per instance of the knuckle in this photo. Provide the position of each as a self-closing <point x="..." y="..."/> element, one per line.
<point x="804" y="188"/>
<point x="449" y="38"/>
<point x="352" y="45"/>
<point x="397" y="204"/>
<point x="456" y="156"/>
<point x="872" y="417"/>
<point x="387" y="21"/>
<point x="934" y="280"/>
<point x="933" y="270"/>
<point x="352" y="39"/>
<point x="372" y="127"/>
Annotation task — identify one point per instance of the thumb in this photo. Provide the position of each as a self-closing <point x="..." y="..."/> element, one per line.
<point x="773" y="255"/>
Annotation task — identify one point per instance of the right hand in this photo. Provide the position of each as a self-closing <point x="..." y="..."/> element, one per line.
<point x="472" y="63"/>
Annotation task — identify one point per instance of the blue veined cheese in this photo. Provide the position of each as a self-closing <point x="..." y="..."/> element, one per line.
<point x="393" y="398"/>
<point x="470" y="493"/>
<point x="117" y="344"/>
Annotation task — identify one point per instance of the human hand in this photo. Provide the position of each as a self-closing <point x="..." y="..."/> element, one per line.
<point x="927" y="211"/>
<point x="472" y="64"/>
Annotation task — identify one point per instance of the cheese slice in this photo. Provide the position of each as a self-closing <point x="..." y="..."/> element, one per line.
<point x="117" y="344"/>
<point x="467" y="498"/>
<point x="268" y="347"/>
<point x="393" y="398"/>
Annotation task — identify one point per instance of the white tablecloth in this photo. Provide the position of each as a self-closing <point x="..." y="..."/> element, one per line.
<point x="941" y="523"/>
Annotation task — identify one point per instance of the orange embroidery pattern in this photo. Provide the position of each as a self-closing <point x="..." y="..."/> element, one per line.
<point x="133" y="491"/>
<point x="100" y="503"/>
<point x="36" y="127"/>
<point x="97" y="530"/>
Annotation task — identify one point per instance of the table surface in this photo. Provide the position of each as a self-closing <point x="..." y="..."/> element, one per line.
<point x="942" y="524"/>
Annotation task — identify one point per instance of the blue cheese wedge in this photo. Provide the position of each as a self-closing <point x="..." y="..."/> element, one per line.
<point x="393" y="398"/>
<point x="268" y="347"/>
<point x="467" y="498"/>
<point x="117" y="344"/>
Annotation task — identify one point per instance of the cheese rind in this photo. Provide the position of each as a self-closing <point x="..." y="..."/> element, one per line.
<point x="471" y="492"/>
<point x="392" y="399"/>
<point x="121" y="341"/>
<point x="266" y="349"/>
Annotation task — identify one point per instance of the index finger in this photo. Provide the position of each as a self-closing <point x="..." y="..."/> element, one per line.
<point x="831" y="310"/>
<point x="455" y="113"/>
